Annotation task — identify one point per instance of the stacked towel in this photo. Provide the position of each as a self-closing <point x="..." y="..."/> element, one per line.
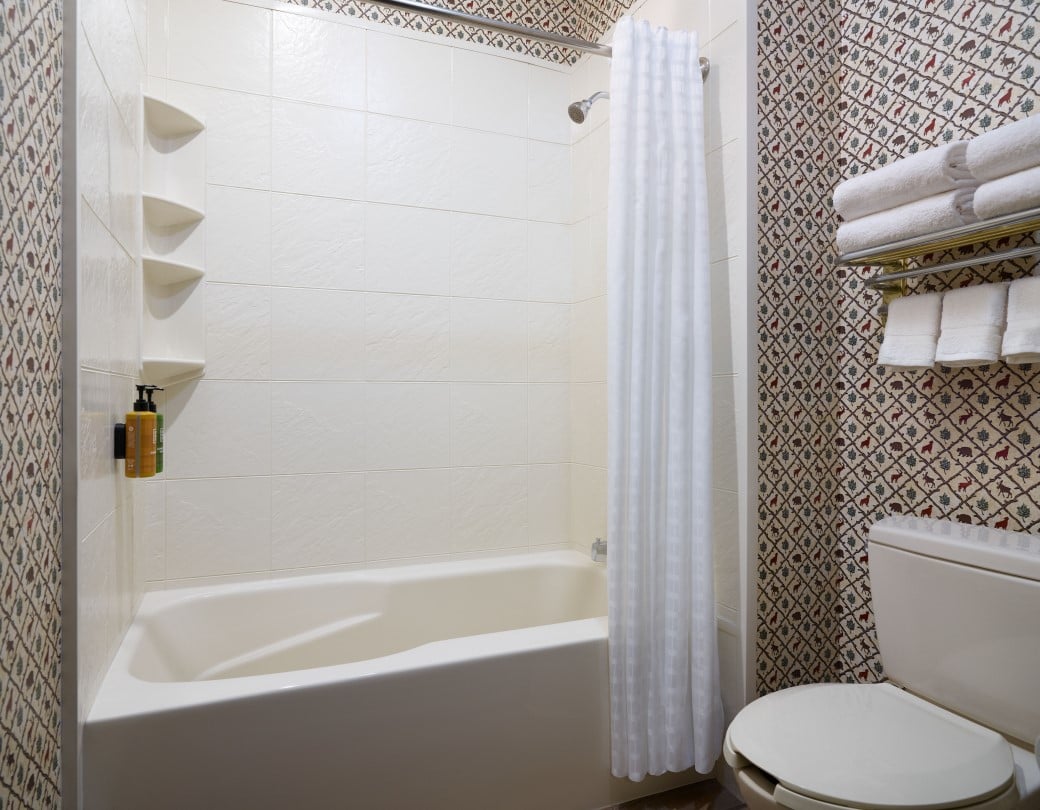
<point x="1007" y="163"/>
<point x="925" y="174"/>
<point x="1022" y="336"/>
<point x="936" y="213"/>
<point x="972" y="325"/>
<point x="911" y="332"/>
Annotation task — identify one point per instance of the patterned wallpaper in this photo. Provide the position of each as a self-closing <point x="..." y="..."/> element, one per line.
<point x="585" y="19"/>
<point x="30" y="402"/>
<point x="845" y="88"/>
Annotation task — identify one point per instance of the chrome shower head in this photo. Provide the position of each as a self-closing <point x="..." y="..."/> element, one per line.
<point x="579" y="109"/>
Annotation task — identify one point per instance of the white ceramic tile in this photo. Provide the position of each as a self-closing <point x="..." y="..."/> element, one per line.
<point x="550" y="259"/>
<point x="97" y="469"/>
<point x="317" y="150"/>
<point x="218" y="428"/>
<point x="98" y="627"/>
<point x="407" y="513"/>
<point x="110" y="32"/>
<point x="489" y="92"/>
<point x="124" y="292"/>
<point x="317" y="427"/>
<point x="549" y="342"/>
<point x="599" y="144"/>
<point x="408" y="162"/>
<point x="318" y="60"/>
<point x="238" y="332"/>
<point x="488" y="257"/>
<point x="728" y="341"/>
<point x="157" y="23"/>
<point x="549" y="423"/>
<point x="317" y="520"/>
<point x="548" y="98"/>
<point x="406" y="425"/>
<point x="150" y="537"/>
<point x="92" y="114"/>
<point x="599" y="79"/>
<point x="407" y="250"/>
<point x="724" y="433"/>
<point x="589" y="340"/>
<point x="317" y="334"/>
<point x="596" y="273"/>
<point x="548" y="503"/>
<point x="548" y="184"/>
<point x="727" y="201"/>
<point x="409" y="78"/>
<point x="220" y="44"/>
<point x="488" y="173"/>
<point x="488" y="424"/>
<point x="317" y="242"/>
<point x="238" y="235"/>
<point x="124" y="184"/>
<point x="589" y="424"/>
<point x="725" y="531"/>
<point x="581" y="178"/>
<point x="584" y="279"/>
<point x="238" y="133"/>
<point x="588" y="504"/>
<point x="721" y="15"/>
<point x="488" y="508"/>
<point x="725" y="90"/>
<point x="488" y="340"/>
<point x="217" y="526"/>
<point x="406" y="337"/>
<point x="98" y="252"/>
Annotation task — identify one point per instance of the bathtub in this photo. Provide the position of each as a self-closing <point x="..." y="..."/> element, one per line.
<point x="464" y="684"/>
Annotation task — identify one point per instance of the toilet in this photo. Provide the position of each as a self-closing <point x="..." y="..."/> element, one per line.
<point x="955" y="725"/>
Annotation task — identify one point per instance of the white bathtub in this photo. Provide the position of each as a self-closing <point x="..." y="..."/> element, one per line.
<point x="478" y="684"/>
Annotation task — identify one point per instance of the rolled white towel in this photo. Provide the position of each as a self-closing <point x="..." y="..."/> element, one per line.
<point x="972" y="325"/>
<point x="930" y="172"/>
<point x="936" y="213"/>
<point x="1005" y="150"/>
<point x="911" y="332"/>
<point x="1022" y="336"/>
<point x="1008" y="195"/>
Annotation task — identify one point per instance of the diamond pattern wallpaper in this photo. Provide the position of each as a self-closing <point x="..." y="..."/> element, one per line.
<point x="584" y="19"/>
<point x="30" y="402"/>
<point x="845" y="88"/>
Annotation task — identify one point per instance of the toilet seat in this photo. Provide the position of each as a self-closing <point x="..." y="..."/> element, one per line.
<point x="870" y="746"/>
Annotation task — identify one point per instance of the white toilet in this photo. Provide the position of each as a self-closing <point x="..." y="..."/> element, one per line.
<point x="958" y="624"/>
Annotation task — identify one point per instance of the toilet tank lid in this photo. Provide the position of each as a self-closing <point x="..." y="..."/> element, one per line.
<point x="1012" y="553"/>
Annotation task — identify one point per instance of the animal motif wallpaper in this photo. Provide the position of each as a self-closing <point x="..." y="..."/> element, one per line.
<point x="30" y="402"/>
<point x="846" y="87"/>
<point x="584" y="19"/>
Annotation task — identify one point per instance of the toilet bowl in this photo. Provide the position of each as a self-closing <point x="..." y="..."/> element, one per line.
<point x="958" y="620"/>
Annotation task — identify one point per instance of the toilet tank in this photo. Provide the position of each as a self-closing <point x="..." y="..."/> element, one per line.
<point x="957" y="609"/>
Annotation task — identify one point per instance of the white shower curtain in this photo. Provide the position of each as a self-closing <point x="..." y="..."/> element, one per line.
<point x="666" y="713"/>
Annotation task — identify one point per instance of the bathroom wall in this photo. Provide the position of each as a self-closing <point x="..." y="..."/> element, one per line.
<point x="388" y="260"/>
<point x="30" y="404"/>
<point x="723" y="30"/>
<point x="850" y="88"/>
<point x="110" y="61"/>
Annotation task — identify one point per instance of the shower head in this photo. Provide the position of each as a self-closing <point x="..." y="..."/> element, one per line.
<point x="579" y="109"/>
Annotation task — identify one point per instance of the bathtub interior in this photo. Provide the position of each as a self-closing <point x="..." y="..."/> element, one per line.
<point x="304" y="623"/>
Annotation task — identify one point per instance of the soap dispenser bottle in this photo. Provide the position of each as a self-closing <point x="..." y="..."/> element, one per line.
<point x="151" y="389"/>
<point x="140" y="439"/>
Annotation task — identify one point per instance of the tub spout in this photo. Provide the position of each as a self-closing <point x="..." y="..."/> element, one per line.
<point x="599" y="550"/>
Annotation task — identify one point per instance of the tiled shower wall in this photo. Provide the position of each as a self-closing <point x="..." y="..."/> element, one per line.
<point x="109" y="74"/>
<point x="30" y="403"/>
<point x="848" y="88"/>
<point x="388" y="259"/>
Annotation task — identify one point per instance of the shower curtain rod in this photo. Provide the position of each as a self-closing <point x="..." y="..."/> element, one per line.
<point x="507" y="28"/>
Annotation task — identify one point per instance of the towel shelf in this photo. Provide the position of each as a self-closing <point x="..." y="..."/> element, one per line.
<point x="894" y="255"/>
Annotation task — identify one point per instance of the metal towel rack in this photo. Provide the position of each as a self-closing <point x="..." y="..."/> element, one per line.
<point x="893" y="257"/>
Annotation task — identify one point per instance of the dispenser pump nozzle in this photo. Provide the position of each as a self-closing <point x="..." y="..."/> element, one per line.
<point x="149" y="390"/>
<point x="141" y="404"/>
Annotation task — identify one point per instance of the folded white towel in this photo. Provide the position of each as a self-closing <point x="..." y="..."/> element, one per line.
<point x="1008" y="195"/>
<point x="1022" y="336"/>
<point x="972" y="325"/>
<point x="1005" y="150"/>
<point x="911" y="331"/>
<point x="933" y="171"/>
<point x="938" y="212"/>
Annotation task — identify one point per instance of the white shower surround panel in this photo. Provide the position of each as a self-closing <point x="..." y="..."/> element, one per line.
<point x="383" y="686"/>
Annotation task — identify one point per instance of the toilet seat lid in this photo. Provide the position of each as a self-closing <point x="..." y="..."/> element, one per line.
<point x="871" y="746"/>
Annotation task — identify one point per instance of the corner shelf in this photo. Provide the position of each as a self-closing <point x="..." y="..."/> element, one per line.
<point x="173" y="319"/>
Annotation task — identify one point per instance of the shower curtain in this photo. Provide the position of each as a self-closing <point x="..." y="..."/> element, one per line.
<point x="666" y="713"/>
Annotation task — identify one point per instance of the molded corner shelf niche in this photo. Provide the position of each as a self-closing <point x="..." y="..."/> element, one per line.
<point x="173" y="322"/>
